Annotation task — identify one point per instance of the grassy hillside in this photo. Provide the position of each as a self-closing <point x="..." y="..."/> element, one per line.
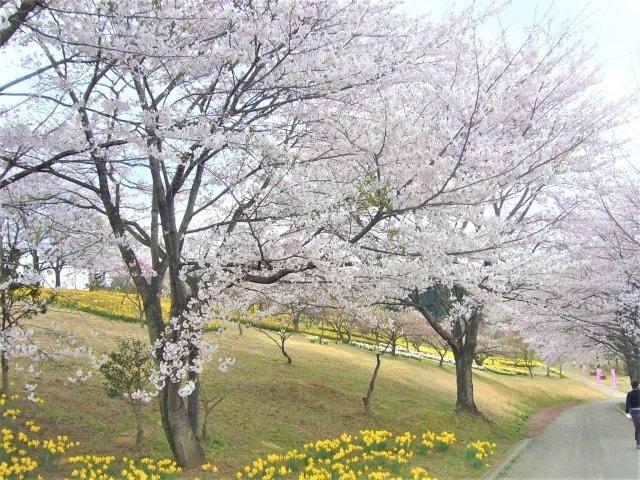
<point x="269" y="406"/>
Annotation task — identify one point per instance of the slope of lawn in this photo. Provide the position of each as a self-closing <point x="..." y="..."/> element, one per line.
<point x="269" y="406"/>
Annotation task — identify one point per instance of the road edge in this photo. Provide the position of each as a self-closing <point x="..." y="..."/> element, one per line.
<point x="509" y="457"/>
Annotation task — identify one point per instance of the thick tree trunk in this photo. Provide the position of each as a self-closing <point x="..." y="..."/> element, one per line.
<point x="35" y="261"/>
<point x="58" y="274"/>
<point x="4" y="361"/>
<point x="367" y="399"/>
<point x="193" y="406"/>
<point x="462" y="341"/>
<point x="192" y="451"/>
<point x="178" y="425"/>
<point x="633" y="366"/>
<point x="178" y="429"/>
<point x="464" y="382"/>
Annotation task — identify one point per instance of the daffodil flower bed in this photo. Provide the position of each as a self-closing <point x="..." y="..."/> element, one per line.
<point x="22" y="450"/>
<point x="107" y="467"/>
<point x="444" y="440"/>
<point x="114" y="305"/>
<point x="370" y="455"/>
<point x="478" y="453"/>
<point x="27" y="454"/>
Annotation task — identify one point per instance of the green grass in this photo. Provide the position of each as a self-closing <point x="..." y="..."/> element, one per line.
<point x="272" y="407"/>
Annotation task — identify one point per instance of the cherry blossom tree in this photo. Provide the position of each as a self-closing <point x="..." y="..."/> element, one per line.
<point x="19" y="291"/>
<point x="187" y="129"/>
<point x="594" y="301"/>
<point x="23" y="299"/>
<point x="63" y="237"/>
<point x="459" y="172"/>
<point x="383" y="325"/>
<point x="328" y="145"/>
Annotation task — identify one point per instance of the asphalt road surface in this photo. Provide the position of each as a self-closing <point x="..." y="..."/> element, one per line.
<point x="592" y="441"/>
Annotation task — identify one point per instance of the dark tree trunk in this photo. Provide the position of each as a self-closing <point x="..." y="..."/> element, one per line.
<point x="139" y="429"/>
<point x="176" y="419"/>
<point x="205" y="428"/>
<point x="35" y="260"/>
<point x="440" y="364"/>
<point x="16" y="20"/>
<point x="284" y="352"/>
<point x="193" y="405"/>
<point x="464" y="382"/>
<point x="367" y="399"/>
<point x="462" y="341"/>
<point x="139" y="435"/>
<point x="394" y="342"/>
<point x="633" y="366"/>
<point x="58" y="274"/>
<point x="4" y="361"/>
<point x="296" y="321"/>
<point x="177" y="427"/>
<point x="140" y="306"/>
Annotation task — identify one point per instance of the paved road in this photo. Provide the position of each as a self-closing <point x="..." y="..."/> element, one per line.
<point x="591" y="441"/>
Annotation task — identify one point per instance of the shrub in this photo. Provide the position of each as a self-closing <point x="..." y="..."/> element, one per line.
<point x="126" y="374"/>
